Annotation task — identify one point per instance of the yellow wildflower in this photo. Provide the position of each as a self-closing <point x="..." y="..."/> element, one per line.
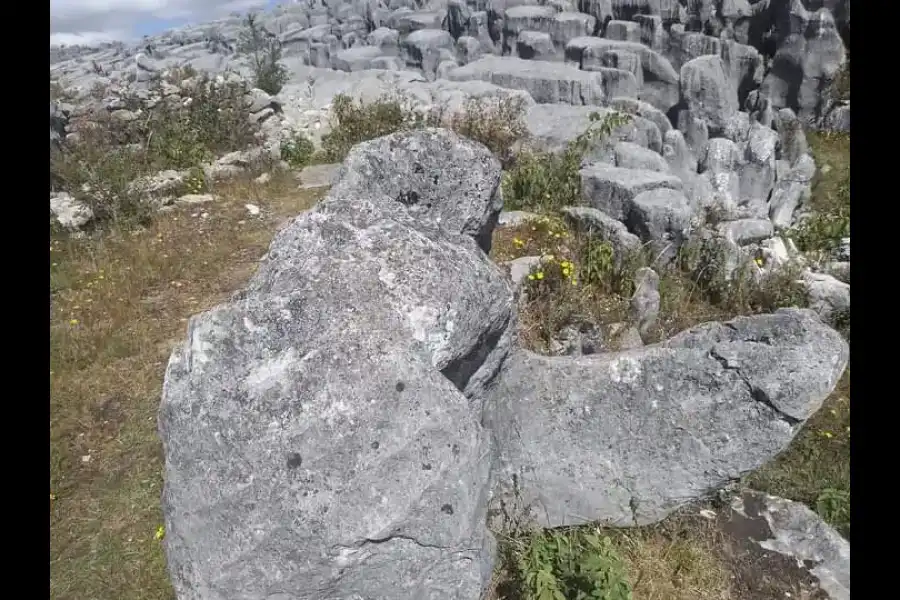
<point x="539" y="275"/>
<point x="160" y="532"/>
<point x="828" y="434"/>
<point x="73" y="322"/>
<point x="531" y="277"/>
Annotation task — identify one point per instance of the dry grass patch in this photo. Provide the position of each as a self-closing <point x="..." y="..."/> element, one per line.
<point x="679" y="559"/>
<point x="119" y="302"/>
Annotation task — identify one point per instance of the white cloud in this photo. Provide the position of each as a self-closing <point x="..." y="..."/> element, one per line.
<point x="86" y="21"/>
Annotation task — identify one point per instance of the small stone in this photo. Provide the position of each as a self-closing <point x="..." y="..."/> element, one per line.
<point x="252" y="209"/>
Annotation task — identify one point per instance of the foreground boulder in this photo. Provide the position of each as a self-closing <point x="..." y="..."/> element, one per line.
<point x="332" y="431"/>
<point x="318" y="441"/>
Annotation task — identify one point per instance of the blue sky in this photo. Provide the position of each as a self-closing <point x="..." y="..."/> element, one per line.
<point x="86" y="21"/>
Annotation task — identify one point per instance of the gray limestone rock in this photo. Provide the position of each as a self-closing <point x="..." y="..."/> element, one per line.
<point x="695" y="130"/>
<point x="809" y="55"/>
<point x="612" y="189"/>
<point x="535" y="45"/>
<point x="422" y="49"/>
<point x="828" y="296"/>
<point x="661" y="218"/>
<point x="793" y="530"/>
<point x="386" y="40"/>
<point x="334" y="428"/>
<point x="468" y="49"/>
<point x="552" y="126"/>
<point x="793" y="139"/>
<point x="791" y="191"/>
<point x="358" y="58"/>
<point x="546" y="82"/>
<point x="645" y="302"/>
<point x="632" y="156"/>
<point x="747" y="231"/>
<point x="718" y="164"/>
<point x="757" y="169"/>
<point x="659" y="80"/>
<point x="282" y="471"/>
<point x="429" y="175"/>
<point x="594" y="222"/>
<point x="642" y="109"/>
<point x="628" y="437"/>
<point x="708" y="93"/>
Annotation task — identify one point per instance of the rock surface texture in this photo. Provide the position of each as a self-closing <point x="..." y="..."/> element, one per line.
<point x="337" y="430"/>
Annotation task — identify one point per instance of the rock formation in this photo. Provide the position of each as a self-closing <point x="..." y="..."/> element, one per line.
<point x="338" y="429"/>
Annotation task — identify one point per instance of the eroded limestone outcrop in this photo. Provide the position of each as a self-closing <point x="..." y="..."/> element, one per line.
<point x="336" y="430"/>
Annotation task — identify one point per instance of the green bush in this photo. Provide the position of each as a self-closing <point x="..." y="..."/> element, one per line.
<point x="499" y="124"/>
<point x="578" y="564"/>
<point x="547" y="181"/>
<point x="354" y="122"/>
<point x="264" y="50"/>
<point x="102" y="169"/>
<point x="298" y="151"/>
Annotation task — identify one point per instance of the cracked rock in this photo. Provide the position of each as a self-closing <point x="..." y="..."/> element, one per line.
<point x="339" y="427"/>
<point x="318" y="429"/>
<point x="628" y="437"/>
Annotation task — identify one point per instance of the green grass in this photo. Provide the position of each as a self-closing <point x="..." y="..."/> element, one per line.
<point x="830" y="201"/>
<point x="815" y="468"/>
<point x="102" y="168"/>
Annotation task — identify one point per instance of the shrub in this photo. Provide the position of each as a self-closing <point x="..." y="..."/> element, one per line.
<point x="264" y="50"/>
<point x="354" y="122"/>
<point x="102" y="169"/>
<point x="298" y="151"/>
<point x="214" y="122"/>
<point x="546" y="181"/>
<point x="497" y="123"/>
<point x="578" y="564"/>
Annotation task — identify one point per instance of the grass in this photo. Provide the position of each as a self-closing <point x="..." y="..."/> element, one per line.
<point x="830" y="201"/>
<point x="119" y="302"/>
<point x="815" y="469"/>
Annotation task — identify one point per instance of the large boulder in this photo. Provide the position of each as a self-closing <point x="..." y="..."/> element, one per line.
<point x="628" y="437"/>
<point x="318" y="436"/>
<point x="809" y="57"/>
<point x="339" y="427"/>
